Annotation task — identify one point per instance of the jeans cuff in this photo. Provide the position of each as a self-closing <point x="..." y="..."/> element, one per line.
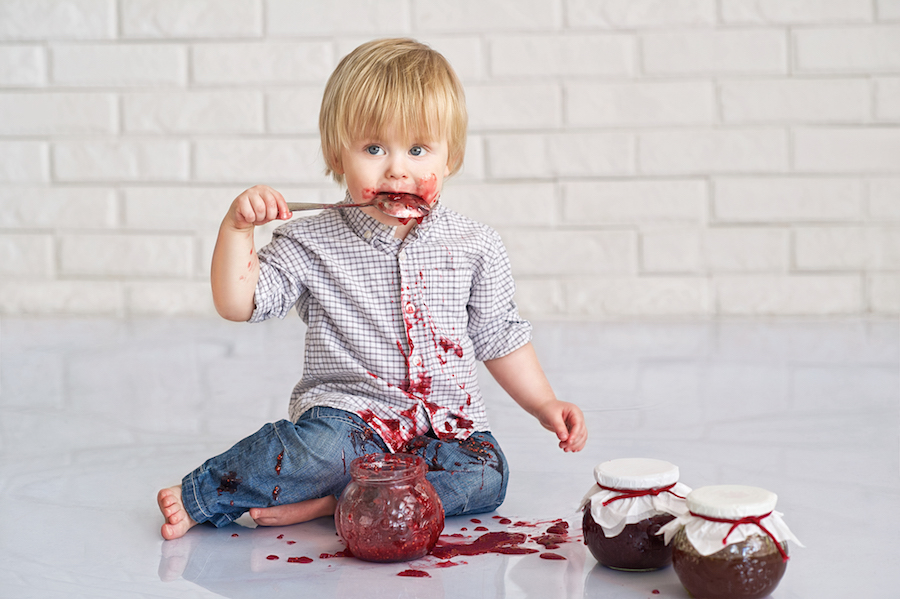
<point x="191" y="500"/>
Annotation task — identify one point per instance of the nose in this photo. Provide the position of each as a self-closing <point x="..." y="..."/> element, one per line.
<point x="396" y="167"/>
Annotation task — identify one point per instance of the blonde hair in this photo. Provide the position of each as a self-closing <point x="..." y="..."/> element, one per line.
<point x="392" y="82"/>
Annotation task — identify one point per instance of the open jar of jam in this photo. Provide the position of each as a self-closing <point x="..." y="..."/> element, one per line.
<point x="389" y="512"/>
<point x="731" y="544"/>
<point x="624" y="511"/>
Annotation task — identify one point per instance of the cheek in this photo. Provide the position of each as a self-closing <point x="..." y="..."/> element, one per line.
<point x="426" y="188"/>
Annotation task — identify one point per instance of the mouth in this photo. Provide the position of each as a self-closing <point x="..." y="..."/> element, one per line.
<point x="406" y="199"/>
<point x="402" y="206"/>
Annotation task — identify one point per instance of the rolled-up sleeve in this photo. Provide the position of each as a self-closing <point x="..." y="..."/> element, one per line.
<point x="495" y="327"/>
<point x="281" y="266"/>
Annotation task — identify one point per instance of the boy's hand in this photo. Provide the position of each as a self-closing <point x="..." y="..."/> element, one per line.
<point x="257" y="206"/>
<point x="520" y="375"/>
<point x="566" y="420"/>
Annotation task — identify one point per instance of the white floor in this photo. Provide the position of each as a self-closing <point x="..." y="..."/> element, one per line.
<point x="96" y="415"/>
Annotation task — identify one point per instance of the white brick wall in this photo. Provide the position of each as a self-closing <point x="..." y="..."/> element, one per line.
<point x="641" y="158"/>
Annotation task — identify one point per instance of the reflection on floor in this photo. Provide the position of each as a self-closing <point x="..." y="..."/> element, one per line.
<point x="96" y="415"/>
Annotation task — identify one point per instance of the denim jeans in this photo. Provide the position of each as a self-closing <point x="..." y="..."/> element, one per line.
<point x="287" y="462"/>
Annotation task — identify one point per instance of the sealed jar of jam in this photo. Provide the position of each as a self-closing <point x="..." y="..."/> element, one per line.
<point x="389" y="512"/>
<point x="624" y="511"/>
<point x="731" y="544"/>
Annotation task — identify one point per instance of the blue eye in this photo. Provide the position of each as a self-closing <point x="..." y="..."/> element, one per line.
<point x="373" y="150"/>
<point x="417" y="151"/>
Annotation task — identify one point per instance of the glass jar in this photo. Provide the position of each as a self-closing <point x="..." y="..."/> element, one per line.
<point x="731" y="544"/>
<point x="625" y="510"/>
<point x="389" y="512"/>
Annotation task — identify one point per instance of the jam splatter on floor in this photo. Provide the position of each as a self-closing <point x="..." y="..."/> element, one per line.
<point x="540" y="536"/>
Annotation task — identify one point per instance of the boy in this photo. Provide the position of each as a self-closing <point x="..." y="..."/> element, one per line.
<point x="397" y="312"/>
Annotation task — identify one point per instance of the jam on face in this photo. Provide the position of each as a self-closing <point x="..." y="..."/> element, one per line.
<point x="403" y="206"/>
<point x="637" y="547"/>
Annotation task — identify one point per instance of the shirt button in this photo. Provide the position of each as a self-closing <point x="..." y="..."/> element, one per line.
<point x="417" y="360"/>
<point x="410" y="308"/>
<point x="401" y="256"/>
<point x="367" y="235"/>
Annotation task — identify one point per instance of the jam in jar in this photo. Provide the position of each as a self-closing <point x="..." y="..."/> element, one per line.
<point x="731" y="544"/>
<point x="625" y="510"/>
<point x="389" y="512"/>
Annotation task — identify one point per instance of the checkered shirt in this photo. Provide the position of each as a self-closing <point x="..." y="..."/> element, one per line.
<point x="393" y="327"/>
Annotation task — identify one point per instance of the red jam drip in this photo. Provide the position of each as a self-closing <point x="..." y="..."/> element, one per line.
<point x="507" y="543"/>
<point x="414" y="574"/>
<point x="553" y="556"/>
<point x="299" y="560"/>
<point x="630" y="493"/>
<point x="229" y="483"/>
<point x="757" y="520"/>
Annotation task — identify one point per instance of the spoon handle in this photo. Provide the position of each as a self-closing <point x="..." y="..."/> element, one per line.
<point x="292" y="206"/>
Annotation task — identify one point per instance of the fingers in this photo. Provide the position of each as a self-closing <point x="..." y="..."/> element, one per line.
<point x="568" y="424"/>
<point x="259" y="205"/>
<point x="577" y="436"/>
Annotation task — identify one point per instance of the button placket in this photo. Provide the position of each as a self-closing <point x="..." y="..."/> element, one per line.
<point x="419" y="379"/>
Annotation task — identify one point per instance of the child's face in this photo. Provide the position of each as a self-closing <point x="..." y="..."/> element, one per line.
<point x="391" y="164"/>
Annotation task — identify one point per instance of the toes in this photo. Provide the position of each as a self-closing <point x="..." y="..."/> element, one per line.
<point x="168" y="532"/>
<point x="166" y="498"/>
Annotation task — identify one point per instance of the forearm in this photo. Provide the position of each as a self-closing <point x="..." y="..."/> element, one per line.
<point x="235" y="266"/>
<point x="234" y="272"/>
<point x="521" y="376"/>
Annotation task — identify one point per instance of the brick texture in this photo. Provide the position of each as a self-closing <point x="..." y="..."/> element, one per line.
<point x="641" y="158"/>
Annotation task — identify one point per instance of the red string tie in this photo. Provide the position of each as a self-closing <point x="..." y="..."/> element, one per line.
<point x="629" y="493"/>
<point x="757" y="520"/>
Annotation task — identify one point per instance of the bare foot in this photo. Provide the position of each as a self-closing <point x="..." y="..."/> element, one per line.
<point x="177" y="520"/>
<point x="294" y="513"/>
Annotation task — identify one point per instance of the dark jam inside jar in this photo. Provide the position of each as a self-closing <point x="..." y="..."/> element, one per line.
<point x="637" y="547"/>
<point x="750" y="569"/>
<point x="389" y="512"/>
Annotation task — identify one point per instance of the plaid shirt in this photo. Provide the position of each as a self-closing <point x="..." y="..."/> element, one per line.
<point x="394" y="327"/>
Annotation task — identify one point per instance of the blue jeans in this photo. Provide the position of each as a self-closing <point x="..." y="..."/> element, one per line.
<point x="288" y="462"/>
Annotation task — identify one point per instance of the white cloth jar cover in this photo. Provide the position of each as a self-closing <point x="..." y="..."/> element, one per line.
<point x="630" y="490"/>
